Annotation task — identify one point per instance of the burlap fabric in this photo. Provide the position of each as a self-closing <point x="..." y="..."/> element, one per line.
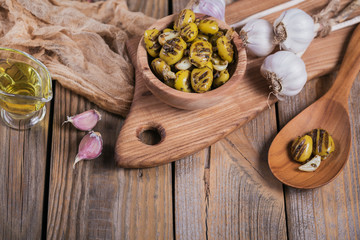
<point x="82" y="44"/>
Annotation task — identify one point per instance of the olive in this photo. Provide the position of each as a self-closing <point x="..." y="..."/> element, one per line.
<point x="200" y="53"/>
<point x="182" y="81"/>
<point x="208" y="26"/>
<point x="214" y="37"/>
<point x="189" y="32"/>
<point x="170" y="83"/>
<point x="202" y="37"/>
<point x="323" y="143"/>
<point x="185" y="17"/>
<point x="209" y="65"/>
<point x="162" y="70"/>
<point x="224" y="46"/>
<point x="167" y="30"/>
<point x="221" y="77"/>
<point x="173" y="50"/>
<point x="225" y="49"/>
<point x="165" y="36"/>
<point x="201" y="79"/>
<point x="151" y="42"/>
<point x="301" y="148"/>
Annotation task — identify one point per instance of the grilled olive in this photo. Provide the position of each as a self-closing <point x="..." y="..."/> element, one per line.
<point x="224" y="46"/>
<point x="214" y="37"/>
<point x="165" y="36"/>
<point x="185" y="17"/>
<point x="209" y="65"/>
<point x="162" y="70"/>
<point x="202" y="37"/>
<point x="151" y="42"/>
<point x="200" y="53"/>
<point x="208" y="26"/>
<point x="173" y="50"/>
<point x="189" y="32"/>
<point x="170" y="83"/>
<point x="182" y="81"/>
<point x="323" y="143"/>
<point x="302" y="148"/>
<point x="201" y="79"/>
<point x="221" y="77"/>
<point x="167" y="30"/>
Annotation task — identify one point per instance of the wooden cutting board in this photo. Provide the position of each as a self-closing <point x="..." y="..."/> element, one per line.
<point x="183" y="132"/>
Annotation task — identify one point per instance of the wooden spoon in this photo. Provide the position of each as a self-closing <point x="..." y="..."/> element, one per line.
<point x="330" y="112"/>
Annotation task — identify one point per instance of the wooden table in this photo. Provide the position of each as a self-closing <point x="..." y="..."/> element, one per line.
<point x="225" y="191"/>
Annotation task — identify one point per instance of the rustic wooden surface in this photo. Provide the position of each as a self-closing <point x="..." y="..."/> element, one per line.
<point x="225" y="191"/>
<point x="330" y="112"/>
<point x="240" y="106"/>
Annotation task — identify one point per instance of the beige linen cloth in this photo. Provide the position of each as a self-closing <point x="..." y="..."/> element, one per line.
<point x="82" y="44"/>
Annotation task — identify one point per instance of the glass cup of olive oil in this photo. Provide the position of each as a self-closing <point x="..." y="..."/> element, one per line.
<point x="25" y="87"/>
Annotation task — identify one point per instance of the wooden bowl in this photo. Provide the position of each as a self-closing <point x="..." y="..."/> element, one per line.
<point x="192" y="101"/>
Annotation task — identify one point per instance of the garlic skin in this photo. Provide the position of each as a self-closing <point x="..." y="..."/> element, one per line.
<point x="214" y="8"/>
<point x="285" y="72"/>
<point x="294" y="30"/>
<point x="90" y="147"/>
<point x="258" y="37"/>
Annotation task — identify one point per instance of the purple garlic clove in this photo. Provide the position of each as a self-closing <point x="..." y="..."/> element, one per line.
<point x="85" y="121"/>
<point x="90" y="147"/>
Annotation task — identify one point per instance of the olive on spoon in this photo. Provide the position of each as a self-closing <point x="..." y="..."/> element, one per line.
<point x="330" y="112"/>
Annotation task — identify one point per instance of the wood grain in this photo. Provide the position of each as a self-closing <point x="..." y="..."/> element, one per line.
<point x="227" y="191"/>
<point x="23" y="166"/>
<point x="98" y="200"/>
<point x="153" y="8"/>
<point x="191" y="101"/>
<point x="246" y="8"/>
<point x="330" y="113"/>
<point x="184" y="132"/>
<point x="333" y="210"/>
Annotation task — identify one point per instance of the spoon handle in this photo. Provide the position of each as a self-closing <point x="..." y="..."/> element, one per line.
<point x="349" y="69"/>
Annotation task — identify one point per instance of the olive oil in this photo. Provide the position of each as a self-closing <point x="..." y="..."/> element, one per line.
<point x="21" y="87"/>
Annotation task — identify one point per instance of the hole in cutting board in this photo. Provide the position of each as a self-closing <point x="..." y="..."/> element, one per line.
<point x="151" y="135"/>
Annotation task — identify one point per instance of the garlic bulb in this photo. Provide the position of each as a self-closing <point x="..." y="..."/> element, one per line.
<point x="285" y="72"/>
<point x="258" y="37"/>
<point x="294" y="30"/>
<point x="214" y="8"/>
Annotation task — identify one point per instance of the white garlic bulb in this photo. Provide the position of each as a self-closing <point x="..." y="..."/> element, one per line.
<point x="285" y="72"/>
<point x="258" y="37"/>
<point x="294" y="30"/>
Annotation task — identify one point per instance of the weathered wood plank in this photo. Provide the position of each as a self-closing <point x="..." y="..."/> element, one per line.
<point x="154" y="8"/>
<point x="332" y="211"/>
<point x="98" y="200"/>
<point x="227" y="191"/>
<point x="243" y="192"/>
<point x="23" y="168"/>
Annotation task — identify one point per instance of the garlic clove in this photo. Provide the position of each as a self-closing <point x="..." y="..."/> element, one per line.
<point x="90" y="147"/>
<point x="294" y="30"/>
<point x="311" y="165"/>
<point x="85" y="121"/>
<point x="258" y="37"/>
<point x="221" y="66"/>
<point x="183" y="64"/>
<point x="165" y="36"/>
